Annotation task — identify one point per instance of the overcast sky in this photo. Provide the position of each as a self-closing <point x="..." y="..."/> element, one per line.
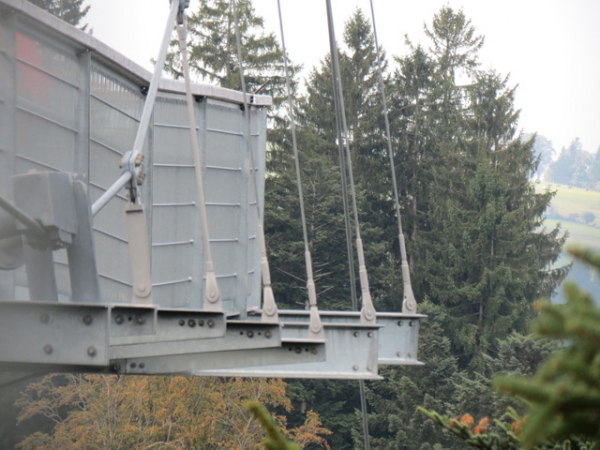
<point x="551" y="48"/>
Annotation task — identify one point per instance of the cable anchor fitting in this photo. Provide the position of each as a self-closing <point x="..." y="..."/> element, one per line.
<point x="132" y="163"/>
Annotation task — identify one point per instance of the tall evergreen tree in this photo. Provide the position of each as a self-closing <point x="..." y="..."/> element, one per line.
<point x="566" y="169"/>
<point x="213" y="50"/>
<point x="71" y="11"/>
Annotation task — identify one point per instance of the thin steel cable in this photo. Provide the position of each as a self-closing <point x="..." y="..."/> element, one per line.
<point x="342" y="127"/>
<point x="312" y="294"/>
<point x="212" y="295"/>
<point x="269" y="313"/>
<point x="409" y="303"/>
<point x="368" y="314"/>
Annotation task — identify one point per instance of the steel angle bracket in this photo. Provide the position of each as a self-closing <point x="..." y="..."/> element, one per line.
<point x="239" y="335"/>
<point x="398" y="336"/>
<point x="53" y="336"/>
<point x="351" y="353"/>
<point x="139" y="324"/>
<point x="291" y="352"/>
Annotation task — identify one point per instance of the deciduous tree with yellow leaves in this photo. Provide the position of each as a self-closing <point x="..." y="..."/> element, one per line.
<point x="125" y="412"/>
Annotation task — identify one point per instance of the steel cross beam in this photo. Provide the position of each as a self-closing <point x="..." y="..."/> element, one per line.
<point x="398" y="335"/>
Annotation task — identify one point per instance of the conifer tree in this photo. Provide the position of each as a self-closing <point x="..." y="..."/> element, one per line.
<point x="71" y="11"/>
<point x="213" y="52"/>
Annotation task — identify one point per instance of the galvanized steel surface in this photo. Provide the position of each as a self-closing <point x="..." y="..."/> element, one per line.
<point x="69" y="103"/>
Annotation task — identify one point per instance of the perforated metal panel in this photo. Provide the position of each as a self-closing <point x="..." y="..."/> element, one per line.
<point x="68" y="103"/>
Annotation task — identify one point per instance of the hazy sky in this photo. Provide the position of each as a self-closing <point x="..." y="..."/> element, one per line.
<point x="551" y="48"/>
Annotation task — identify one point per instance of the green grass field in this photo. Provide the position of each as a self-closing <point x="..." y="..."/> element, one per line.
<point x="569" y="207"/>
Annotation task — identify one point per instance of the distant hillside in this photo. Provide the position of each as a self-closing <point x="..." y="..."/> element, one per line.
<point x="578" y="211"/>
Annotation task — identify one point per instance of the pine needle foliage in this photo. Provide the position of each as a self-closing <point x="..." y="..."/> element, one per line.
<point x="565" y="392"/>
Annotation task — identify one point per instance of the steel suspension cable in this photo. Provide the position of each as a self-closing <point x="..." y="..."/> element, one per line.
<point x="368" y="314"/>
<point x="212" y="295"/>
<point x="310" y="284"/>
<point x="269" y="311"/>
<point x="409" y="305"/>
<point x="368" y="311"/>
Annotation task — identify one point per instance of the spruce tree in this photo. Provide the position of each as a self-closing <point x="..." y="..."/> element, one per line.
<point x="213" y="52"/>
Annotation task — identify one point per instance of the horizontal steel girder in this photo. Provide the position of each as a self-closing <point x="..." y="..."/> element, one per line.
<point x="292" y="352"/>
<point x="398" y="335"/>
<point x="239" y="335"/>
<point x="351" y="353"/>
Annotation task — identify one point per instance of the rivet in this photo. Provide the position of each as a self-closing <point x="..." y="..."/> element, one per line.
<point x="91" y="351"/>
<point x="370" y="334"/>
<point x="355" y="367"/>
<point x="133" y="365"/>
<point x="87" y="319"/>
<point x="399" y="323"/>
<point x="267" y="334"/>
<point x="250" y="334"/>
<point x="298" y="350"/>
<point x="211" y="323"/>
<point x="313" y="350"/>
<point x="356" y="334"/>
<point x="44" y="318"/>
<point x="119" y="319"/>
<point x="201" y="323"/>
<point x="115" y="367"/>
<point x="48" y="349"/>
<point x="141" y="320"/>
<point x="398" y="354"/>
<point x="191" y="323"/>
<point x="181" y="322"/>
<point x="142" y="365"/>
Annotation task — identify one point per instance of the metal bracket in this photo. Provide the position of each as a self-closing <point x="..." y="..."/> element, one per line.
<point x="139" y="254"/>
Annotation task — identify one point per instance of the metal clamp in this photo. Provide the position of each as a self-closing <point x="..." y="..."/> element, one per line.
<point x="132" y="163"/>
<point x="183" y="4"/>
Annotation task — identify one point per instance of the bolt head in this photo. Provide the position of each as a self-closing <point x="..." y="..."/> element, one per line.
<point x="87" y="319"/>
<point x="133" y="365"/>
<point x="298" y="350"/>
<point x="141" y="320"/>
<point x="119" y="319"/>
<point x="91" y="351"/>
<point x="267" y="334"/>
<point x="250" y="334"/>
<point x="356" y="334"/>
<point x="44" y="318"/>
<point x="355" y="367"/>
<point x="142" y="365"/>
<point x="370" y="334"/>
<point x="181" y="322"/>
<point x="211" y="323"/>
<point x="48" y="349"/>
<point x="191" y="323"/>
<point x="201" y="323"/>
<point x="115" y="367"/>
